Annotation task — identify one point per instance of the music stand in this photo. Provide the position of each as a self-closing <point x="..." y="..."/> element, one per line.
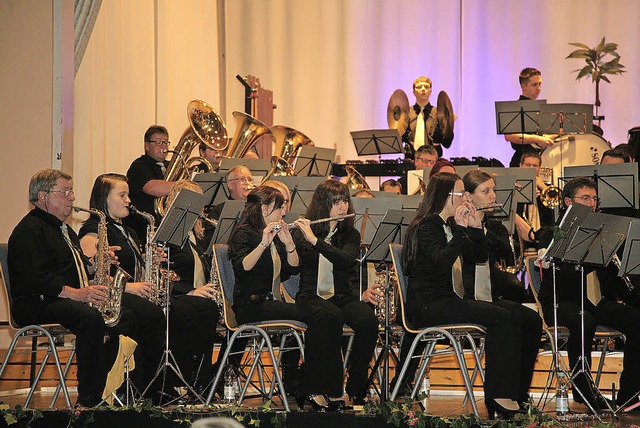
<point x="377" y="142"/>
<point x="504" y="195"/>
<point x="313" y="161"/>
<point x="369" y="215"/>
<point x="301" y="189"/>
<point x="617" y="184"/>
<point x="228" y="218"/>
<point x="566" y="118"/>
<point x="411" y="202"/>
<point x="573" y="217"/>
<point x="630" y="263"/>
<point x="213" y="187"/>
<point x="174" y="229"/>
<point x="518" y="117"/>
<point x="525" y="188"/>
<point x="258" y="167"/>
<point x="392" y="229"/>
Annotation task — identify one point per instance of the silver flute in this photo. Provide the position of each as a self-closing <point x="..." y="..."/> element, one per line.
<point x="487" y="206"/>
<point x="277" y="228"/>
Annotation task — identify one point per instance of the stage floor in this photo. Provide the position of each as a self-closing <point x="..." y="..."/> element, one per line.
<point x="443" y="406"/>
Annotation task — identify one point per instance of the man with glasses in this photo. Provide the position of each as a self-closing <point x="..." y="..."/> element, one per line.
<point x="146" y="177"/>
<point x="602" y="307"/>
<point x="426" y="156"/>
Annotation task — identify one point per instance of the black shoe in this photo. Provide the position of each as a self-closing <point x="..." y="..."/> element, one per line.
<point x="318" y="402"/>
<point x="497" y="410"/>
<point x="336" y="404"/>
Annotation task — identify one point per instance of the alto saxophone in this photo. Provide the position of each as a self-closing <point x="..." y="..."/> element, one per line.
<point x="111" y="309"/>
<point x="216" y="287"/>
<point x="153" y="271"/>
<point x="390" y="289"/>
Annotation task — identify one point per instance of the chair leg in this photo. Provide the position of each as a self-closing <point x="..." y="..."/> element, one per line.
<point x="60" y="385"/>
<point x="464" y="371"/>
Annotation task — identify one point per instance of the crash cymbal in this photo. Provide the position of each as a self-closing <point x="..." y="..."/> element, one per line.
<point x="398" y="111"/>
<point x="444" y="112"/>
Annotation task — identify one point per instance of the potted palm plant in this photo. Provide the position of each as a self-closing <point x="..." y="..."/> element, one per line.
<point x="601" y="60"/>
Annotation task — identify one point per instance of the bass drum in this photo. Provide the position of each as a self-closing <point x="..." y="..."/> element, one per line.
<point x="574" y="150"/>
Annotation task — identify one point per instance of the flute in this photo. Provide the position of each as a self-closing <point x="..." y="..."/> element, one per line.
<point x="277" y="227"/>
<point x="487" y="207"/>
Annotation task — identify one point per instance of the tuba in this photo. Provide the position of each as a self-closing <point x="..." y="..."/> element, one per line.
<point x="205" y="126"/>
<point x="355" y="180"/>
<point x="279" y="168"/>
<point x="287" y="143"/>
<point x="111" y="309"/>
<point x="153" y="256"/>
<point x="248" y="130"/>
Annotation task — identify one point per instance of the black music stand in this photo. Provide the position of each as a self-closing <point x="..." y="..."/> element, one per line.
<point x="392" y="229"/>
<point x="313" y="161"/>
<point x="213" y="187"/>
<point x="301" y="190"/>
<point x="566" y="118"/>
<point x="518" y="117"/>
<point x="617" y="184"/>
<point x="505" y="185"/>
<point x="630" y="263"/>
<point x="377" y="142"/>
<point x="370" y="213"/>
<point x="525" y="186"/>
<point x="228" y="218"/>
<point x="174" y="229"/>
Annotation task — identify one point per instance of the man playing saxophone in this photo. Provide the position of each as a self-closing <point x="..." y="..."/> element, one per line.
<point x="49" y="281"/>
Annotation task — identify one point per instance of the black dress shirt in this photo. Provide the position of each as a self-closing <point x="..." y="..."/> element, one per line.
<point x="520" y="148"/>
<point x="430" y="274"/>
<point x="259" y="280"/>
<point x="141" y="171"/>
<point x="342" y="253"/>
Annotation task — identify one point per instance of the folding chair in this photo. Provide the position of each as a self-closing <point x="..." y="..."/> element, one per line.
<point x="456" y="334"/>
<point x="48" y="332"/>
<point x="258" y="332"/>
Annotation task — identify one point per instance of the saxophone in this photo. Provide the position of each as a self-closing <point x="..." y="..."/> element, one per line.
<point x="391" y="292"/>
<point x="111" y="309"/>
<point x="216" y="287"/>
<point x="153" y="255"/>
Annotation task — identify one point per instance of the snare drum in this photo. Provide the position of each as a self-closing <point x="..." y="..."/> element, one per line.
<point x="574" y="150"/>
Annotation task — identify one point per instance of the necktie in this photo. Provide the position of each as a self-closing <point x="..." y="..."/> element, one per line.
<point x="77" y="258"/>
<point x="326" y="288"/>
<point x="418" y="140"/>
<point x="482" y="285"/>
<point x="198" y="270"/>
<point x="277" y="265"/>
<point x="593" y="288"/>
<point x="456" y="269"/>
<point x="162" y="167"/>
<point x="533" y="216"/>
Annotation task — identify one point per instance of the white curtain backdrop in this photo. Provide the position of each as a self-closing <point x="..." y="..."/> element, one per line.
<point x="333" y="65"/>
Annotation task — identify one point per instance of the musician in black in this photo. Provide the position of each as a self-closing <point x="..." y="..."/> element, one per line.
<point x="445" y="229"/>
<point x="212" y="155"/>
<point x="110" y="195"/>
<point x="489" y="282"/>
<point x="49" y="281"/>
<point x="602" y="307"/>
<point x="328" y="253"/>
<point x="531" y="84"/>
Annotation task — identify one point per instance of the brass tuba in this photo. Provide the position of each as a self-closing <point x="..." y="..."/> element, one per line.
<point x="248" y="130"/>
<point x="205" y="126"/>
<point x="287" y="143"/>
<point x="279" y="168"/>
<point x="355" y="180"/>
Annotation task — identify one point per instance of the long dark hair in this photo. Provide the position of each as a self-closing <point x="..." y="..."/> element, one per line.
<point x="435" y="198"/>
<point x="101" y="187"/>
<point x="474" y="178"/>
<point x="252" y="214"/>
<point x="326" y="194"/>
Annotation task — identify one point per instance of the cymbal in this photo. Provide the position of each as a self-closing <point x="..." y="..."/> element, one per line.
<point x="398" y="111"/>
<point x="444" y="112"/>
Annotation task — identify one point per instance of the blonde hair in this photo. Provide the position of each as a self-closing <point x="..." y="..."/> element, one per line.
<point x="198" y="229"/>
<point x="422" y="79"/>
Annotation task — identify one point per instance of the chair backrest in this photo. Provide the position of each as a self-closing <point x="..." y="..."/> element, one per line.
<point x="227" y="281"/>
<point x="403" y="281"/>
<point x="4" y="274"/>
<point x="533" y="274"/>
<point x="291" y="287"/>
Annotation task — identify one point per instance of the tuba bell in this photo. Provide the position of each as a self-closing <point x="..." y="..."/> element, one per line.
<point x="248" y="130"/>
<point x="355" y="180"/>
<point x="279" y="168"/>
<point x="288" y="141"/>
<point x="205" y="126"/>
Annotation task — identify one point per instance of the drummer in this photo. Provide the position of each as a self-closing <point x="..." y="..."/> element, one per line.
<point x="531" y="84"/>
<point x="423" y="124"/>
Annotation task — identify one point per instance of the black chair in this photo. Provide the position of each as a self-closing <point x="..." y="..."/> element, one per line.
<point x="258" y="332"/>
<point x="455" y="334"/>
<point x="48" y="332"/>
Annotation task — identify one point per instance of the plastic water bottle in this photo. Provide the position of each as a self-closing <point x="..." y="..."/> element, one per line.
<point x="229" y="387"/>
<point x="562" y="396"/>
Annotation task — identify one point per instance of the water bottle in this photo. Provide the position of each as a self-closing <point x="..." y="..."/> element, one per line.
<point x="562" y="396"/>
<point x="425" y="387"/>
<point x="229" y="387"/>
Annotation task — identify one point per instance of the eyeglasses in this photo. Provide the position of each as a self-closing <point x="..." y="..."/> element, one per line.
<point x="242" y="180"/>
<point x="66" y="193"/>
<point x="161" y="143"/>
<point x="587" y="198"/>
<point x="427" y="161"/>
<point x="461" y="194"/>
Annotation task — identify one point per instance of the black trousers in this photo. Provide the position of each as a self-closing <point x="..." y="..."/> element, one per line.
<point x="192" y="330"/>
<point x="333" y="314"/>
<point x="502" y="343"/>
<point x="621" y="317"/>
